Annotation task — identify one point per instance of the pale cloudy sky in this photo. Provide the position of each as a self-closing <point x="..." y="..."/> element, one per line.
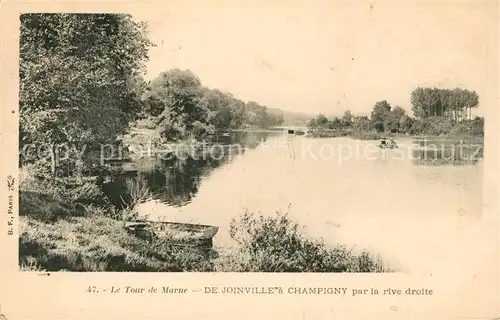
<point x="319" y="56"/>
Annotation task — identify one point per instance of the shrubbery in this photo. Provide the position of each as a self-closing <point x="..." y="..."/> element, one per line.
<point x="369" y="135"/>
<point x="434" y="126"/>
<point x="98" y="243"/>
<point x="277" y="244"/>
<point x="50" y="200"/>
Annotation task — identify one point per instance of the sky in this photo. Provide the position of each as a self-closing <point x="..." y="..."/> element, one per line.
<point x="326" y="57"/>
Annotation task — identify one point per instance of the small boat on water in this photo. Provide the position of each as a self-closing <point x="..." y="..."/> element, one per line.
<point x="387" y="144"/>
<point x="175" y="233"/>
<point x="296" y="132"/>
<point x="299" y="133"/>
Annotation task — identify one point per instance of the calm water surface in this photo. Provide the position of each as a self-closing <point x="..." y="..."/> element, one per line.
<point x="344" y="190"/>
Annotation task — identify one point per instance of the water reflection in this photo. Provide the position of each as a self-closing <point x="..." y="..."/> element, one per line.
<point x="175" y="179"/>
<point x="446" y="152"/>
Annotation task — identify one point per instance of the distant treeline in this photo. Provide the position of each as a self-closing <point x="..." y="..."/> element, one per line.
<point x="437" y="112"/>
<point x="176" y="104"/>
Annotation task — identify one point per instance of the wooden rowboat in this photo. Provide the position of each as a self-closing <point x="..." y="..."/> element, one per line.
<point x="175" y="233"/>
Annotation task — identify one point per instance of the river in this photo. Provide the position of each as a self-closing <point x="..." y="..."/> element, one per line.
<point x="345" y="190"/>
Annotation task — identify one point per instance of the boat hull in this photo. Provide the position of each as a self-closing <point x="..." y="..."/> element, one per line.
<point x="173" y="233"/>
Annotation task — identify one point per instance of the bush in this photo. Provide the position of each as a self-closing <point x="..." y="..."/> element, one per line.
<point x="43" y="207"/>
<point x="276" y="244"/>
<point x="434" y="126"/>
<point x="369" y="135"/>
<point x="49" y="199"/>
<point x="322" y="133"/>
<point x="146" y="123"/>
<point x="66" y="189"/>
<point x="473" y="127"/>
<point x="99" y="243"/>
<point x="459" y="130"/>
<point x="359" y="135"/>
<point x="477" y="126"/>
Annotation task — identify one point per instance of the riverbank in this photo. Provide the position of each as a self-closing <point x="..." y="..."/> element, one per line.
<point x="141" y="141"/>
<point x="59" y="234"/>
<point x="368" y="135"/>
<point x="99" y="243"/>
<point x="371" y="135"/>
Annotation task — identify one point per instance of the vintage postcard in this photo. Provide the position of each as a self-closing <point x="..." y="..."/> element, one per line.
<point x="249" y="159"/>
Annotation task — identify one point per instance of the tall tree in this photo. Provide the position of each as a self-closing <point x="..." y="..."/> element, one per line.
<point x="379" y="114"/>
<point x="472" y="102"/>
<point x="320" y="121"/>
<point x="392" y="119"/>
<point x="78" y="77"/>
<point x="361" y="124"/>
<point x="398" y="111"/>
<point x="453" y="104"/>
<point x="179" y="96"/>
<point x="418" y="104"/>
<point x="219" y="104"/>
<point x="335" y="124"/>
<point x="406" y="123"/>
<point x="391" y="122"/>
<point x="347" y="119"/>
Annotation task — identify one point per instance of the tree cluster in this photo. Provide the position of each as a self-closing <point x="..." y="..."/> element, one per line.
<point x="80" y="77"/>
<point x="81" y="84"/>
<point x="337" y="123"/>
<point x="437" y="112"/>
<point x="454" y="105"/>
<point x="181" y="107"/>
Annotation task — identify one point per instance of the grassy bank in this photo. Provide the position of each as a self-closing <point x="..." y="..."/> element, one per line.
<point x="56" y="237"/>
<point x="98" y="243"/>
<point x="369" y="135"/>
<point x="359" y="135"/>
<point x="372" y="135"/>
<point x="324" y="133"/>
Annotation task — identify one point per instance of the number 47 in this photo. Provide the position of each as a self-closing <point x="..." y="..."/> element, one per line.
<point x="92" y="289"/>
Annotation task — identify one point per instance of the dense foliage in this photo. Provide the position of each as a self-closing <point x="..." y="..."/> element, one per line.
<point x="180" y="108"/>
<point x="277" y="244"/>
<point x="81" y="86"/>
<point x="98" y="243"/>
<point x="454" y="105"/>
<point x="437" y="112"/>
<point x="79" y="76"/>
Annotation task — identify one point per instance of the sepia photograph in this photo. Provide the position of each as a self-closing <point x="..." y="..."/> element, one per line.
<point x="290" y="140"/>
